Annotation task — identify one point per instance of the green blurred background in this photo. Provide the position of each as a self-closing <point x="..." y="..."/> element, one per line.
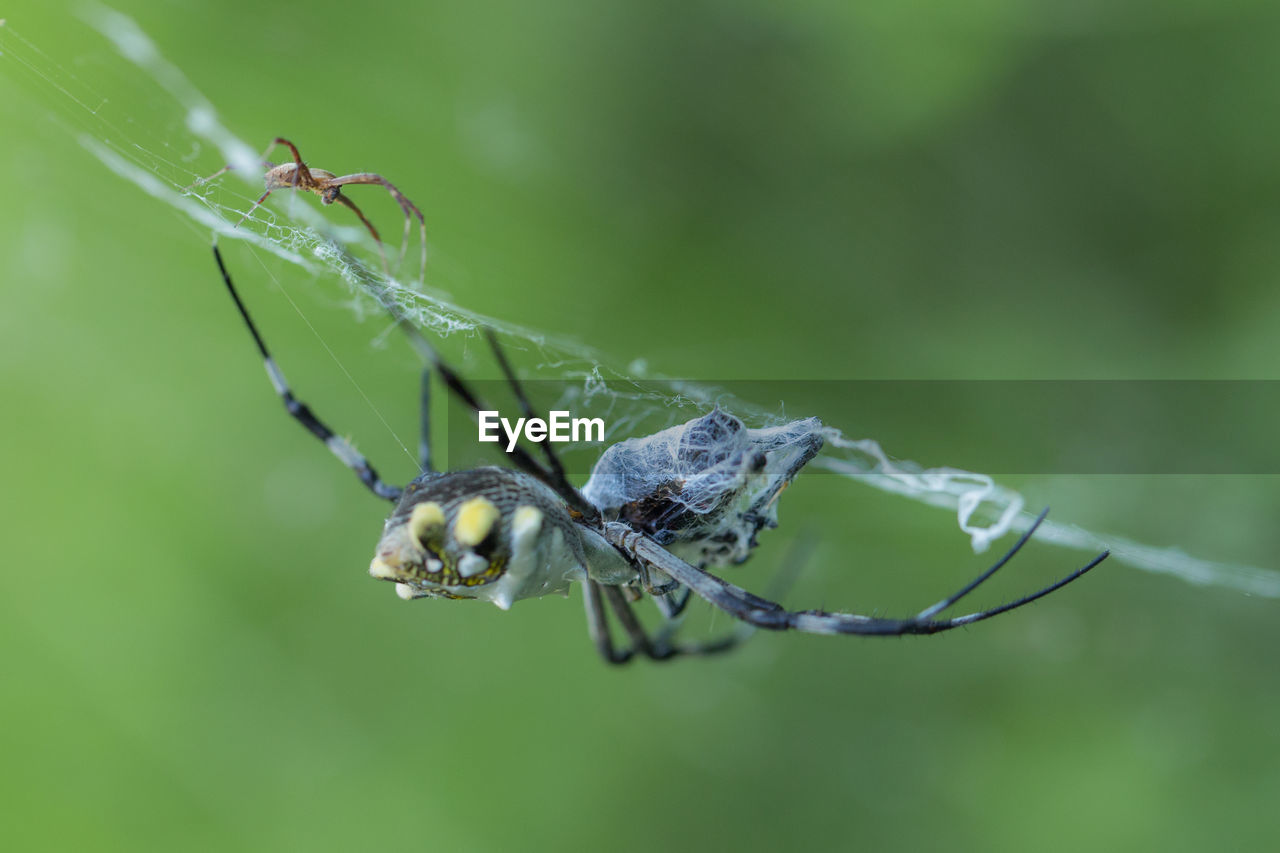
<point x="193" y="657"/>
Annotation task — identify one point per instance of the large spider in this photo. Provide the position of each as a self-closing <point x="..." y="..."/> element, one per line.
<point x="654" y="515"/>
<point x="298" y="176"/>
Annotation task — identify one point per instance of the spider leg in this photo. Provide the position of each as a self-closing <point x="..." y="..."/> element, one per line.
<point x="408" y="207"/>
<point x="622" y="611"/>
<point x="382" y="252"/>
<point x="202" y="181"/>
<point x="672" y="605"/>
<point x="739" y="635"/>
<point x="794" y="561"/>
<point x="255" y="206"/>
<point x="339" y="446"/>
<point x="656" y="589"/>
<point x="265" y="162"/>
<point x="556" y="477"/>
<point x="659" y="647"/>
<point x="737" y="602"/>
<point x="459" y="389"/>
<point x="526" y="408"/>
<point x="228" y="168"/>
<point x="930" y="612"/>
<point x="424" y="422"/>
<point x="518" y="454"/>
<point x="598" y="625"/>
<point x="293" y="149"/>
<point x="385" y="294"/>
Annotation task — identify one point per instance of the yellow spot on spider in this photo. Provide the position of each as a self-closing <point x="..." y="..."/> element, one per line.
<point x="475" y="520"/>
<point x="425" y="518"/>
<point x="381" y="570"/>
<point x="527" y="519"/>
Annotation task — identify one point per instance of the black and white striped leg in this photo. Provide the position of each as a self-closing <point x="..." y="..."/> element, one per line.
<point x="742" y="605"/>
<point x="521" y="457"/>
<point x="522" y="399"/>
<point x="338" y="445"/>
<point x="458" y="388"/>
<point x="424" y="422"/>
<point x="672" y="605"/>
<point x="558" y="479"/>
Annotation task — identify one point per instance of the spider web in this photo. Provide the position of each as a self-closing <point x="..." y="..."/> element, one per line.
<point x="162" y="165"/>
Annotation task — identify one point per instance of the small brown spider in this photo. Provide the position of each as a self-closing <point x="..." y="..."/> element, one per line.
<point x="298" y="176"/>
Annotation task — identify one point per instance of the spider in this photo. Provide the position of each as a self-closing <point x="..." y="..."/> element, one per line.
<point x="656" y="513"/>
<point x="298" y="176"/>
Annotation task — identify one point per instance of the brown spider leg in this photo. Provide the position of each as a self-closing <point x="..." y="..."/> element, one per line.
<point x="265" y="162"/>
<point x="201" y="181"/>
<point x="245" y="216"/>
<point x="293" y="149"/>
<point x="408" y="207"/>
<point x="382" y="252"/>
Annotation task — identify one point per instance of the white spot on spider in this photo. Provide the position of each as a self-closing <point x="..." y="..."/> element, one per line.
<point x="471" y="565"/>
<point x="380" y="570"/>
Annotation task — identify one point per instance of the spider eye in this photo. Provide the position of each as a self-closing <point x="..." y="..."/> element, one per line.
<point x="426" y="521"/>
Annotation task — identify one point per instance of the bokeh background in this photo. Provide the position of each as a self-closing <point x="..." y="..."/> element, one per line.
<point x="192" y="655"/>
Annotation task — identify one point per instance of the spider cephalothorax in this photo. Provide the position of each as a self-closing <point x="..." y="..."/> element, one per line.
<point x="655" y="514"/>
